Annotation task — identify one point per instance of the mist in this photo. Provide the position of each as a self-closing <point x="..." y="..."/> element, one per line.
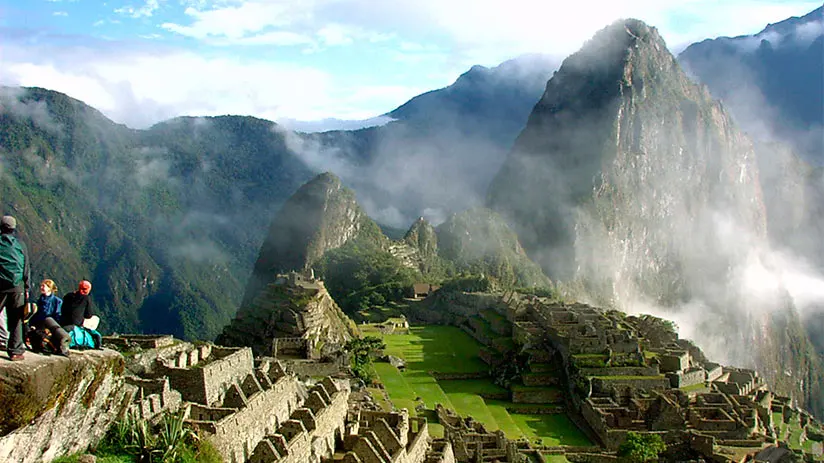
<point x="442" y="150"/>
<point x="635" y="190"/>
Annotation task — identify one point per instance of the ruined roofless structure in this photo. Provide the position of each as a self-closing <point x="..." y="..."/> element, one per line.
<point x="253" y="410"/>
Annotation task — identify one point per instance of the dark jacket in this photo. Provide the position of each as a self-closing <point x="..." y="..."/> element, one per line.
<point x="26" y="270"/>
<point x="47" y="306"/>
<point x="76" y="308"/>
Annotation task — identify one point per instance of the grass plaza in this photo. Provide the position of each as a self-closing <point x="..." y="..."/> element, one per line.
<point x="447" y="349"/>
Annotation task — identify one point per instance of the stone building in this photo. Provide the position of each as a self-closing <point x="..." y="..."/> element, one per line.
<point x="312" y="430"/>
<point x="387" y="437"/>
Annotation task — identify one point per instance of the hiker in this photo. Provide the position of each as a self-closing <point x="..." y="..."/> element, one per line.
<point x="77" y="306"/>
<point x="14" y="286"/>
<point x="46" y="318"/>
<point x="79" y="320"/>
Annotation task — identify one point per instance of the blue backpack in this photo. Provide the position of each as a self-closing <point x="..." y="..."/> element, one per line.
<point x="84" y="338"/>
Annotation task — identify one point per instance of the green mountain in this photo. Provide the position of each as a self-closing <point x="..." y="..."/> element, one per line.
<point x="631" y="183"/>
<point x="322" y="215"/>
<point x="164" y="222"/>
<point x="322" y="227"/>
<point x="479" y="241"/>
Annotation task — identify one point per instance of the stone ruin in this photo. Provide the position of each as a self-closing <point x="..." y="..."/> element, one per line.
<point x="256" y="410"/>
<point x="614" y="374"/>
<point x="292" y="317"/>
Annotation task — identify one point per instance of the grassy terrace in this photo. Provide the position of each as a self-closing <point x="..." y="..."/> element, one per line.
<point x="447" y="349"/>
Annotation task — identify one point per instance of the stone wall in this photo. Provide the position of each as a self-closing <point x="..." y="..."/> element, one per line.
<point x="298" y="347"/>
<point x="311" y="432"/>
<point x="144" y="341"/>
<point x="391" y="437"/>
<point x="674" y="361"/>
<point x="440" y="451"/>
<point x="714" y="371"/>
<point x="619" y="384"/>
<point x="153" y="397"/>
<point x="687" y="378"/>
<point x="540" y="379"/>
<point x="209" y="380"/>
<point x="620" y="371"/>
<point x="235" y="435"/>
<point x="537" y="396"/>
<point x="313" y="368"/>
<point x="591" y="458"/>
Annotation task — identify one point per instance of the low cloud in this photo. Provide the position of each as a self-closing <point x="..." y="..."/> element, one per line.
<point x="35" y="111"/>
<point x="327" y="124"/>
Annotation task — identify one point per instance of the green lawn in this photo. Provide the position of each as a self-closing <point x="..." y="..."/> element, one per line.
<point x="448" y="349"/>
<point x="436" y="348"/>
<point x="555" y="458"/>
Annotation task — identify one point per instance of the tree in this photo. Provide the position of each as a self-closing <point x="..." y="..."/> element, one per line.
<point x="362" y="350"/>
<point x="641" y="448"/>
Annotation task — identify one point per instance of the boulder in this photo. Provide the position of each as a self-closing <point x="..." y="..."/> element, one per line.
<point x="54" y="406"/>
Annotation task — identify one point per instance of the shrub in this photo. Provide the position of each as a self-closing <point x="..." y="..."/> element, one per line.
<point x="641" y="448"/>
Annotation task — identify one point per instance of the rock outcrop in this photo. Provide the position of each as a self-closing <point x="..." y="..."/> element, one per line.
<point x="53" y="406"/>
<point x="633" y="180"/>
<point x="321" y="215"/>
<point x="295" y="315"/>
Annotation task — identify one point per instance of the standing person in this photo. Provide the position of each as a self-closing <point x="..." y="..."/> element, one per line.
<point x="14" y="285"/>
<point x="77" y="307"/>
<point x="46" y="318"/>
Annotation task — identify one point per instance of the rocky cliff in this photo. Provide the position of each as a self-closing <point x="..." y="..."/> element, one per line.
<point x="633" y="181"/>
<point x="321" y="215"/>
<point x="53" y="406"/>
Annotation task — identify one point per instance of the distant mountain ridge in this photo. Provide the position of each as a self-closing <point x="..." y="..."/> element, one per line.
<point x="443" y="148"/>
<point x="162" y="221"/>
<point x="771" y="81"/>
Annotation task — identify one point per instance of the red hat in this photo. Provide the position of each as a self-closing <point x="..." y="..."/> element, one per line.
<point x="84" y="287"/>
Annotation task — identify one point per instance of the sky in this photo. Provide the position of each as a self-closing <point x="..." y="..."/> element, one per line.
<point x="144" y="61"/>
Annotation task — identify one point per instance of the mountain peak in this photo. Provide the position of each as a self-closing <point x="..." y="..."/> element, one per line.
<point x="321" y="215"/>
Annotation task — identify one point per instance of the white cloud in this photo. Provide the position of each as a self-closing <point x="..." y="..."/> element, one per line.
<point x="60" y="13"/>
<point x="243" y="19"/>
<point x="140" y="88"/>
<point x="421" y="40"/>
<point x="278" y="38"/>
<point x="477" y="31"/>
<point x="147" y="10"/>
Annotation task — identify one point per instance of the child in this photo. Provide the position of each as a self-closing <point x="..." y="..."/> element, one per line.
<point x="45" y="321"/>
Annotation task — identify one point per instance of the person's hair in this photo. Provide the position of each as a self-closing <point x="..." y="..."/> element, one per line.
<point x="50" y="284"/>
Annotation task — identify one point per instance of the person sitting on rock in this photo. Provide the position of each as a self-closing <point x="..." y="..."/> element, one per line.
<point x="77" y="309"/>
<point x="77" y="306"/>
<point x="44" y="322"/>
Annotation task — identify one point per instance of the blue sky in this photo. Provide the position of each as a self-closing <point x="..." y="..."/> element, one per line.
<point x="142" y="61"/>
